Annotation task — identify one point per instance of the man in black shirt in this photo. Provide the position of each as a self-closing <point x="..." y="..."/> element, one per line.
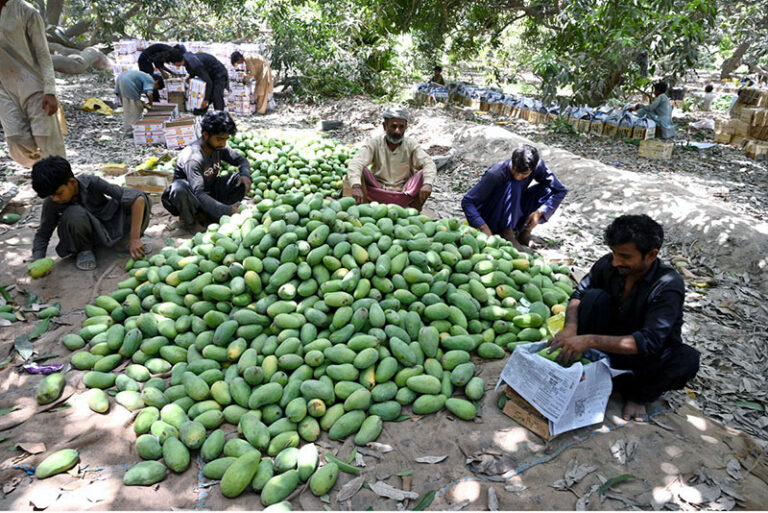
<point x="197" y="193"/>
<point x="630" y="306"/>
<point x="155" y="56"/>
<point x="210" y="70"/>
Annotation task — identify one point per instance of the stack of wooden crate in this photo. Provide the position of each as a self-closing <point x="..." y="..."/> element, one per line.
<point x="748" y="127"/>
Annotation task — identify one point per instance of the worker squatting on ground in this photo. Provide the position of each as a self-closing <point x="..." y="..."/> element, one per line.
<point x="660" y="110"/>
<point x="198" y="194"/>
<point x="129" y="86"/>
<point x="207" y="68"/>
<point x="391" y="168"/>
<point x="88" y="211"/>
<point x="630" y="306"/>
<point x="504" y="203"/>
<point x="257" y="69"/>
<point x="28" y="103"/>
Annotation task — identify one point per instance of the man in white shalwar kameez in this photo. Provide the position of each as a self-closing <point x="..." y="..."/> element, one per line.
<point x="28" y="103"/>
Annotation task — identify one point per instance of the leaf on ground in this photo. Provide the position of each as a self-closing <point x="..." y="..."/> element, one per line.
<point x="425" y="501"/>
<point x="6" y="361"/>
<point x="583" y="501"/>
<point x="4" y="323"/>
<point x="431" y="459"/>
<point x="6" y="411"/>
<point x="614" y="481"/>
<point x="752" y="405"/>
<point x="39" y="329"/>
<point x="383" y="448"/>
<point x="493" y="500"/>
<point x="458" y="505"/>
<point x="404" y="473"/>
<point x="515" y="488"/>
<point x="32" y="448"/>
<point x="382" y="489"/>
<point x="734" y="469"/>
<point x="350" y="489"/>
<point x="4" y="293"/>
<point x="575" y="472"/>
<point x="352" y="456"/>
<point x="31" y="298"/>
<point x="23" y="346"/>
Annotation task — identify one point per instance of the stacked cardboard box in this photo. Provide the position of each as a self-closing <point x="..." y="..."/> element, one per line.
<point x="748" y="127"/>
<point x="148" y="131"/>
<point x="180" y="132"/>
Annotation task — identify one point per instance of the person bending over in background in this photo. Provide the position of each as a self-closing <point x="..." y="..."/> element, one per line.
<point x="129" y="86"/>
<point x="400" y="170"/>
<point x="505" y="203"/>
<point x="198" y="194"/>
<point x="630" y="306"/>
<point x="257" y="69"/>
<point x="660" y="110"/>
<point x="88" y="211"/>
<point x="207" y="68"/>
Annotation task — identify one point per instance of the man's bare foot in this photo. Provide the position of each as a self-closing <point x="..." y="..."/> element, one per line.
<point x="634" y="411"/>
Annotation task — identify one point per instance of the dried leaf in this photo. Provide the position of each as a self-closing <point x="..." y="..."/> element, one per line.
<point x="699" y="494"/>
<point x="4" y="323"/>
<point x="560" y="484"/>
<point x="583" y="501"/>
<point x="575" y="472"/>
<point x="614" y="481"/>
<point x="734" y="469"/>
<point x="425" y="501"/>
<point x="493" y="500"/>
<point x="350" y="489"/>
<point x="382" y="448"/>
<point x="515" y="488"/>
<point x="359" y="460"/>
<point x="32" y="448"/>
<point x="352" y="455"/>
<point x="458" y="505"/>
<point x="31" y="297"/>
<point x="724" y="503"/>
<point x="382" y="489"/>
<point x="431" y="459"/>
<point x="619" y="451"/>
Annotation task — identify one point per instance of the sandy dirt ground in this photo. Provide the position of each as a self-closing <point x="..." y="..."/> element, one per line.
<point x="703" y="449"/>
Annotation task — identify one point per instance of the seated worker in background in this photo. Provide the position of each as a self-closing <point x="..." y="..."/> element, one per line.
<point x="630" y="306"/>
<point x="503" y="202"/>
<point x="437" y="75"/>
<point x="129" y="86"/>
<point x="660" y="110"/>
<point x="88" y="211"/>
<point x="257" y="69"/>
<point x="207" y="68"/>
<point x="198" y="194"/>
<point x="708" y="98"/>
<point x="391" y="168"/>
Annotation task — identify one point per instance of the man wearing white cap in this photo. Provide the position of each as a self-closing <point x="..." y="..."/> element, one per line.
<point x="391" y="168"/>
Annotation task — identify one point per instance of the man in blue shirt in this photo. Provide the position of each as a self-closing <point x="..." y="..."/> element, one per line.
<point x="129" y="86"/>
<point x="502" y="202"/>
<point x="660" y="110"/>
<point x="630" y="306"/>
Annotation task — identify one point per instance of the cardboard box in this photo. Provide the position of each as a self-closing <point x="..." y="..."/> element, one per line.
<point x="739" y="141"/>
<point x="148" y="125"/>
<point x="583" y="125"/>
<point x="549" y="399"/>
<point x="113" y="169"/>
<point x="522" y="412"/>
<point x="723" y="137"/>
<point x="596" y="127"/>
<point x="125" y="59"/>
<point x="610" y="129"/>
<point x="175" y="85"/>
<point x="168" y="109"/>
<point x="640" y="132"/>
<point x="149" y="139"/>
<point x="624" y="132"/>
<point x="655" y="149"/>
<point x="126" y="46"/>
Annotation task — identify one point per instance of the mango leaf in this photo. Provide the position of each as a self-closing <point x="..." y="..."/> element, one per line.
<point x="8" y="410"/>
<point x="752" y="405"/>
<point x="31" y="297"/>
<point x="614" y="481"/>
<point x="5" y="294"/>
<point x="39" y="329"/>
<point x="23" y="346"/>
<point x="425" y="501"/>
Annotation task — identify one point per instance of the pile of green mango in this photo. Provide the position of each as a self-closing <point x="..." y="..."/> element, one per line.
<point x="299" y="315"/>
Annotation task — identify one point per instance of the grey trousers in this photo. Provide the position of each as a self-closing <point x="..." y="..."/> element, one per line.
<point x="80" y="231"/>
<point x="179" y="200"/>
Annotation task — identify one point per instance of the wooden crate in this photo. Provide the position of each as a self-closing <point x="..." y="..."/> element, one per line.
<point x="596" y="127"/>
<point x="723" y="137"/>
<point x="655" y="149"/>
<point x="641" y="133"/>
<point x="152" y="183"/>
<point x="625" y="132"/>
<point x="610" y="129"/>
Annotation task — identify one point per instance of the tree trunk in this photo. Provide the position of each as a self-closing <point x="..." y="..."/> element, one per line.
<point x="71" y="61"/>
<point x="731" y="63"/>
<point x="53" y="11"/>
<point x="78" y="29"/>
